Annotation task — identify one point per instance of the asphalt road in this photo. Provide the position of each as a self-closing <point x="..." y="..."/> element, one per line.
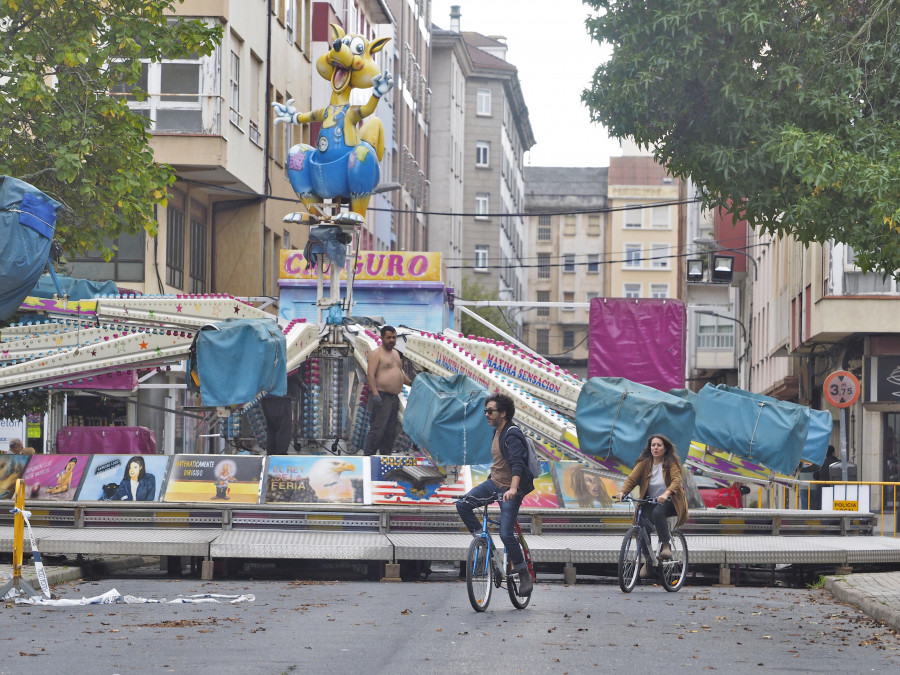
<point x="428" y="626"/>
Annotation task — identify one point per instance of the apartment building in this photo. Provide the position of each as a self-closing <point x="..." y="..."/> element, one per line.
<point x="496" y="134"/>
<point x="211" y="119"/>
<point x="645" y="230"/>
<point x="565" y="235"/>
<point x="451" y="67"/>
<point x="815" y="312"/>
<point x="407" y="167"/>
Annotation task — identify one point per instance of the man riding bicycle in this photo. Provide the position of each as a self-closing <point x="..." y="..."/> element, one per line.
<point x="510" y="477"/>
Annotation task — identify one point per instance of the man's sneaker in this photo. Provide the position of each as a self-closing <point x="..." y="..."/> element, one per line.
<point x="665" y="551"/>
<point x="525" y="585"/>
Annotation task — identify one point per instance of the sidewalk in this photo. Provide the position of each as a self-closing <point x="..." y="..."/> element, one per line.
<point x="71" y="570"/>
<point x="876" y="595"/>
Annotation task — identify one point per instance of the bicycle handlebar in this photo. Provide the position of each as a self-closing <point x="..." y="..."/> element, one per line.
<point x="482" y="501"/>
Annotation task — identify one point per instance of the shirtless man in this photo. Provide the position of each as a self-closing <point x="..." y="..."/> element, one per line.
<point x="386" y="380"/>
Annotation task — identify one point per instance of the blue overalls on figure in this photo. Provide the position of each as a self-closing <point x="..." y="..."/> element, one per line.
<point x="333" y="168"/>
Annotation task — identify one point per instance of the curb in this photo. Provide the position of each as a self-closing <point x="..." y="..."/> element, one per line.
<point x="871" y="605"/>
<point x="61" y="574"/>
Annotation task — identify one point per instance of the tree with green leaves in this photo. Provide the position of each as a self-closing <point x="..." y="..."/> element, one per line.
<point x="785" y="112"/>
<point x="66" y="131"/>
<point x="472" y="290"/>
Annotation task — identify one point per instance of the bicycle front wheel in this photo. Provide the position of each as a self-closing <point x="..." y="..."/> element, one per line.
<point x="630" y="560"/>
<point x="672" y="573"/>
<point x="478" y="574"/>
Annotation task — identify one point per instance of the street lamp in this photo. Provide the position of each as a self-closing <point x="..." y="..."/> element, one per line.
<point x="707" y="241"/>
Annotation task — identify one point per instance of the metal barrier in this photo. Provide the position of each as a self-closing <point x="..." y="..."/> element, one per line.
<point x="805" y="488"/>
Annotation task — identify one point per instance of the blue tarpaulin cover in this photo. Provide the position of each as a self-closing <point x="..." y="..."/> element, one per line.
<point x="757" y="427"/>
<point x="820" y="421"/>
<point x="238" y="360"/>
<point x="445" y="416"/>
<point x="27" y="223"/>
<point x="76" y="289"/>
<point x="615" y="416"/>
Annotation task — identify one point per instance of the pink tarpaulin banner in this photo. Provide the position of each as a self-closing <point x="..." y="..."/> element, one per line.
<point x="106" y="440"/>
<point x="639" y="339"/>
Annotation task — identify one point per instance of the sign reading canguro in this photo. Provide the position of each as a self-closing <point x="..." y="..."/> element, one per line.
<point x="370" y="266"/>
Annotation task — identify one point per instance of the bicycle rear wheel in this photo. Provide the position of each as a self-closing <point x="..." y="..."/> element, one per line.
<point x="478" y="574"/>
<point x="630" y="560"/>
<point x="672" y="573"/>
<point x="512" y="585"/>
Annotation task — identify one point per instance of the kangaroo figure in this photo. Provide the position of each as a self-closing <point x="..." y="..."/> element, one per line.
<point x="345" y="161"/>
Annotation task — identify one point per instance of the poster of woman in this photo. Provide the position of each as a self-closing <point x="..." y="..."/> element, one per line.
<point x="54" y="477"/>
<point x="124" y="478"/>
<point x="580" y="487"/>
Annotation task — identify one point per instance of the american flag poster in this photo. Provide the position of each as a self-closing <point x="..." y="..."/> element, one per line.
<point x="407" y="480"/>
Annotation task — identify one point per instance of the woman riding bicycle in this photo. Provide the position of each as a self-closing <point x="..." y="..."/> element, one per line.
<point x="509" y="477"/>
<point x="657" y="472"/>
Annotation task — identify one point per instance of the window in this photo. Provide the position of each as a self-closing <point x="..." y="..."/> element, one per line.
<point x="593" y="228"/>
<point x="569" y="263"/>
<point x="174" y="245"/>
<point x="198" y="256"/>
<point x="659" y="217"/>
<point x="632" y="290"/>
<point x="481" y="258"/>
<point x="568" y="339"/>
<point x="234" y="85"/>
<point x="543" y="340"/>
<point x="543" y="265"/>
<point x="175" y="101"/>
<point x="482" y="206"/>
<point x="484" y="102"/>
<point x="659" y="290"/>
<point x="659" y="256"/>
<point x="543" y="231"/>
<point x="256" y="77"/>
<point x="568" y="297"/>
<point x="633" y="254"/>
<point x="285" y="239"/>
<point x="543" y="296"/>
<point x="591" y="295"/>
<point x="290" y="16"/>
<point x="569" y="227"/>
<point x="593" y="265"/>
<point x="633" y="216"/>
<point x="714" y="332"/>
<point x="482" y="154"/>
<point x="127" y="263"/>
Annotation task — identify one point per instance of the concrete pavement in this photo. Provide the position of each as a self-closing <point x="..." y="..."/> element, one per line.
<point x="876" y="595"/>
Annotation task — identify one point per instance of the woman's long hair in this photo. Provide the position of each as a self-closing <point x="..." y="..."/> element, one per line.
<point x="136" y="460"/>
<point x="670" y="456"/>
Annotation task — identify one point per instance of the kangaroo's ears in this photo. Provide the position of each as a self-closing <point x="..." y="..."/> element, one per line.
<point x="337" y="33"/>
<point x="376" y="44"/>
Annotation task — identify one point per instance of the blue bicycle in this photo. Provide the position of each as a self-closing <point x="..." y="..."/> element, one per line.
<point x="486" y="567"/>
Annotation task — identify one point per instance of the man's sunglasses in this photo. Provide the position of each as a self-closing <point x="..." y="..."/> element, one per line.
<point x="490" y="411"/>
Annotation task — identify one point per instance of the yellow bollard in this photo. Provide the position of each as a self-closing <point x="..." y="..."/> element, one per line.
<point x="17" y="581"/>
